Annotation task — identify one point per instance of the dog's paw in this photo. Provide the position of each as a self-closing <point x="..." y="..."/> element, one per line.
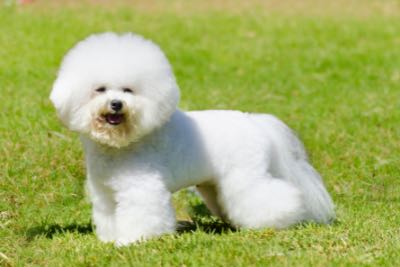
<point x="123" y="242"/>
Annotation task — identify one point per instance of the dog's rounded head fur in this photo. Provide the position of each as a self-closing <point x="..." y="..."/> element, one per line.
<point x="115" y="88"/>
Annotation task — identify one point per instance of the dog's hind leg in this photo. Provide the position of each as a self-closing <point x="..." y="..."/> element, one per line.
<point x="257" y="202"/>
<point x="209" y="194"/>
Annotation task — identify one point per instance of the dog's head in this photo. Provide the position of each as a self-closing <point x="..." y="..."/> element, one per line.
<point x="115" y="88"/>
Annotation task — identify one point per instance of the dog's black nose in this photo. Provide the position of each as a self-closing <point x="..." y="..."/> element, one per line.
<point x="116" y="105"/>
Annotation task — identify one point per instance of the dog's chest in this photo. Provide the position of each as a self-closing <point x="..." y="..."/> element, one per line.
<point x="106" y="167"/>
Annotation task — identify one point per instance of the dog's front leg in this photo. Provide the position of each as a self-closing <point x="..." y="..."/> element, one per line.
<point x="103" y="210"/>
<point x="143" y="209"/>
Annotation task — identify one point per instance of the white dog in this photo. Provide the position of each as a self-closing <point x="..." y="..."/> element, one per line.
<point x="120" y="94"/>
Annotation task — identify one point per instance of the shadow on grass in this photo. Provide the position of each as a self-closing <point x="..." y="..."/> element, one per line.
<point x="49" y="231"/>
<point x="201" y="221"/>
<point x="207" y="225"/>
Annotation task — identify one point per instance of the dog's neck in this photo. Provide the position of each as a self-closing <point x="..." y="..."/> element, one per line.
<point x="91" y="146"/>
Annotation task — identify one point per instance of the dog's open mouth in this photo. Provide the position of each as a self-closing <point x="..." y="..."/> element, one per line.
<point x="114" y="118"/>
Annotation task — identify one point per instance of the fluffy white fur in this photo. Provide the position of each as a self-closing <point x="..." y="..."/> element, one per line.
<point x="250" y="168"/>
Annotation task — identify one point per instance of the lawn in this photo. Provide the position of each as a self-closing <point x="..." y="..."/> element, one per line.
<point x="329" y="70"/>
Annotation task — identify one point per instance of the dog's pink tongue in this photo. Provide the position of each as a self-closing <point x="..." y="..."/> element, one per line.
<point x="114" y="119"/>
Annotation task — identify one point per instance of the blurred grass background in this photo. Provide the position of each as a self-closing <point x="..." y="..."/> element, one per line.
<point x="329" y="69"/>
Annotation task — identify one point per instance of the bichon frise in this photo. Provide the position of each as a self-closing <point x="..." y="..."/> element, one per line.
<point x="120" y="94"/>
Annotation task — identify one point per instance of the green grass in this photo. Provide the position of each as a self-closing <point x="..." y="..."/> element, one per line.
<point x="333" y="77"/>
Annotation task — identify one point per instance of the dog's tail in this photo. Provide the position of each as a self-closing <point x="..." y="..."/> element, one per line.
<point x="291" y="164"/>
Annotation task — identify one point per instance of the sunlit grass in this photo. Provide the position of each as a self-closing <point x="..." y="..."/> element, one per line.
<point x="335" y="80"/>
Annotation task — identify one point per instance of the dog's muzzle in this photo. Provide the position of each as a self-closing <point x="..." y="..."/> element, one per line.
<point x="114" y="118"/>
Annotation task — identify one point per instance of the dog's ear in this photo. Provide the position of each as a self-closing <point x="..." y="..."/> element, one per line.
<point x="160" y="97"/>
<point x="61" y="97"/>
<point x="66" y="102"/>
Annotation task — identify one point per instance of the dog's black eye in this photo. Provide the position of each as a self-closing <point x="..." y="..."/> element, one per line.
<point x="127" y="90"/>
<point x="101" y="89"/>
